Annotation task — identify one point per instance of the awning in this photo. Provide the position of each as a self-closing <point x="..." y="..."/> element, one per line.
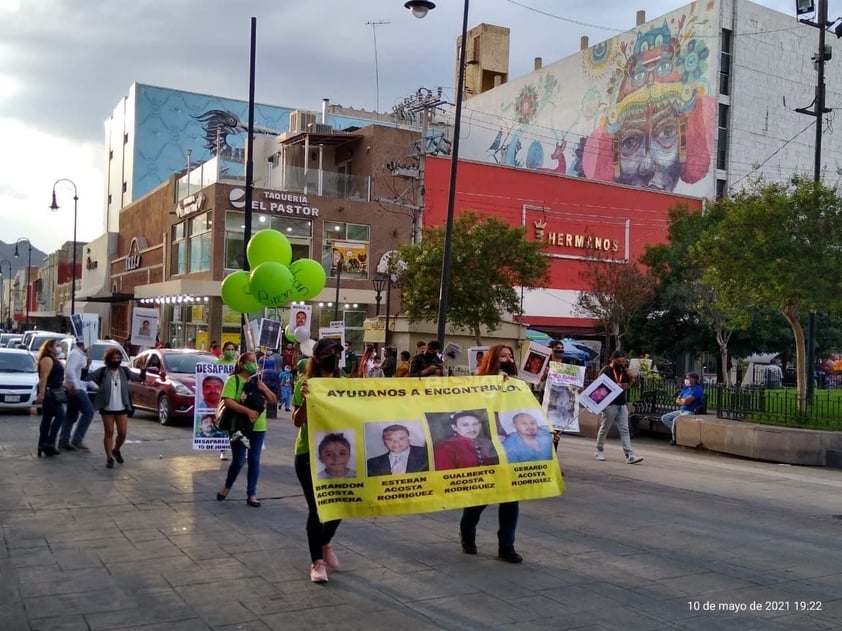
<point x="115" y="297"/>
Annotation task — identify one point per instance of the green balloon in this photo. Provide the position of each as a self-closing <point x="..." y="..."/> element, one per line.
<point x="270" y="282"/>
<point x="236" y="294"/>
<point x="288" y="334"/>
<point x="268" y="245"/>
<point x="308" y="279"/>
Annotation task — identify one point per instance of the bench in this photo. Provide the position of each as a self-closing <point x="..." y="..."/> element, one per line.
<point x="650" y="407"/>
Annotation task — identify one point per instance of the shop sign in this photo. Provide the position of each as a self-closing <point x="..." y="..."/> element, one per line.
<point x="573" y="240"/>
<point x="191" y="204"/>
<point x="276" y="202"/>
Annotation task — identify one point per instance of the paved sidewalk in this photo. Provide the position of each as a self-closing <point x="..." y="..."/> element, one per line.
<point x="653" y="546"/>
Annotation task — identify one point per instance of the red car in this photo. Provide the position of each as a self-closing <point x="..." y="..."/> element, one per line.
<point x="163" y="381"/>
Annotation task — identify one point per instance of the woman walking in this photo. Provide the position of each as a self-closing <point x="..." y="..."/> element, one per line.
<point x="113" y="402"/>
<point x="51" y="396"/>
<point x="242" y="385"/>
<point x="323" y="364"/>
<point x="498" y="359"/>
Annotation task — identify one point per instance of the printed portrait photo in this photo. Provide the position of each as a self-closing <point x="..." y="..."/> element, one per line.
<point x="209" y="391"/>
<point x="526" y="435"/>
<point x="396" y="448"/>
<point x="461" y="439"/>
<point x="336" y="454"/>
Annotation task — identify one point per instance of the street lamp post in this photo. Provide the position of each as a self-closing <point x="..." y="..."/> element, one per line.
<point x="54" y="207"/>
<point x="7" y="321"/>
<point x="419" y="9"/>
<point x="28" y="265"/>
<point x="339" y="262"/>
<point x="379" y="282"/>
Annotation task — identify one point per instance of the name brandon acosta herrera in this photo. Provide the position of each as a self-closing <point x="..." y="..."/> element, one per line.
<point x="338" y="492"/>
<point x="468" y="481"/>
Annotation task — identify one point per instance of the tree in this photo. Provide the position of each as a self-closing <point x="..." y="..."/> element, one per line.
<point x="778" y="246"/>
<point x="488" y="260"/>
<point x="617" y="292"/>
<point x="681" y="295"/>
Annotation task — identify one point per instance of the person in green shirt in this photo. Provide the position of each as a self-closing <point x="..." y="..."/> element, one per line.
<point x="323" y="364"/>
<point x="244" y="373"/>
<point x="228" y="356"/>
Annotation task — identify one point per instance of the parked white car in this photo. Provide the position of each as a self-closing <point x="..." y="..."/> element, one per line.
<point x="18" y="379"/>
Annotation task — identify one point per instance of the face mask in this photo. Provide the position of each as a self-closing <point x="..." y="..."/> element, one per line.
<point x="250" y="368"/>
<point x="113" y="363"/>
<point x="228" y="354"/>
<point x="509" y="368"/>
<point x="686" y="382"/>
<point x="329" y="363"/>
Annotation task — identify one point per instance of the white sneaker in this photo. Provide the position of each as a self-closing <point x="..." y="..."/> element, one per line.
<point x="318" y="572"/>
<point x="599" y="455"/>
<point x="632" y="459"/>
<point x="223" y="455"/>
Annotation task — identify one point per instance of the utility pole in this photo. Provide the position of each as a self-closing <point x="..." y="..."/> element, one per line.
<point x="374" y="24"/>
<point x="819" y="111"/>
<point x="425" y="102"/>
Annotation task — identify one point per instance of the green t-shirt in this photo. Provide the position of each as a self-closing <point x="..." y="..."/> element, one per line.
<point x="233" y="389"/>
<point x="302" y="441"/>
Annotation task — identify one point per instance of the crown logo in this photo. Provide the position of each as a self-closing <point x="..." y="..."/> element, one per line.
<point x="539" y="230"/>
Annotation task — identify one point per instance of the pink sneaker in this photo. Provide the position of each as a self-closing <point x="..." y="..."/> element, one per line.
<point x="330" y="557"/>
<point x="318" y="572"/>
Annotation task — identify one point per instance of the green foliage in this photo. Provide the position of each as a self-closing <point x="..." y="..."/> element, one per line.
<point x="488" y="260"/>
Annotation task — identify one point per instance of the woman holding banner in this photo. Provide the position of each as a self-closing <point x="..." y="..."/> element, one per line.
<point x="499" y="359"/>
<point x="323" y="364"/>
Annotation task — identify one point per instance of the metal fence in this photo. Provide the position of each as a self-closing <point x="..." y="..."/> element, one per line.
<point x="758" y="404"/>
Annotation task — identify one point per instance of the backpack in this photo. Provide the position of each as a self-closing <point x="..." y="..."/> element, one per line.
<point x="224" y="419"/>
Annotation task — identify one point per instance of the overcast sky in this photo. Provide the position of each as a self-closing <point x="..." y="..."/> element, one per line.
<point x="64" y="64"/>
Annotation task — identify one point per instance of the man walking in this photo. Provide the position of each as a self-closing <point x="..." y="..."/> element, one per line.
<point x="78" y="403"/>
<point x="617" y="412"/>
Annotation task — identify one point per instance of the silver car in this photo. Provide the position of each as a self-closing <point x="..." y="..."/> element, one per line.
<point x="18" y="379"/>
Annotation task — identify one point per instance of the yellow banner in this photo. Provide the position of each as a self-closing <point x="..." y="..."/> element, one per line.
<point x="397" y="446"/>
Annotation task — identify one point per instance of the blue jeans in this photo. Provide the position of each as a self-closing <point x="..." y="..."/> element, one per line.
<point x="52" y="418"/>
<point x="615" y="414"/>
<point x="78" y="405"/>
<point x="238" y="459"/>
<point x="286" y="396"/>
<point x="668" y="419"/>
<point x="506" y="517"/>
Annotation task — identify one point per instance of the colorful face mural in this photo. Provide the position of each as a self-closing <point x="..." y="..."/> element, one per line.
<point x="637" y="109"/>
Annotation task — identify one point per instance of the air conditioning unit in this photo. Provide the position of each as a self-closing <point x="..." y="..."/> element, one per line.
<point x="321" y="128"/>
<point x="302" y="122"/>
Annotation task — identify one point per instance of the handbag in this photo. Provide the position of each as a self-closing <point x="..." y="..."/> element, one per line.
<point x="225" y="420"/>
<point x="59" y="395"/>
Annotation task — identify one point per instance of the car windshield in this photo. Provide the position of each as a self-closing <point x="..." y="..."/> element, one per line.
<point x="38" y="340"/>
<point x="16" y="362"/>
<point x="97" y="351"/>
<point x="186" y="362"/>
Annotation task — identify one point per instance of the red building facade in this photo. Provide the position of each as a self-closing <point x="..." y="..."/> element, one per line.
<point x="572" y="216"/>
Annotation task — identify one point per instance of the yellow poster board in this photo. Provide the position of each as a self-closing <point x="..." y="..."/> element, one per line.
<point x="398" y="446"/>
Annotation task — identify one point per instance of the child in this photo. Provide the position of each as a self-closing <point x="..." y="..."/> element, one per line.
<point x="287" y="379"/>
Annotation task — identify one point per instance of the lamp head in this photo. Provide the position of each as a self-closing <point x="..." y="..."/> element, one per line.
<point x="419" y="8"/>
<point x="54" y="205"/>
<point x="16" y="251"/>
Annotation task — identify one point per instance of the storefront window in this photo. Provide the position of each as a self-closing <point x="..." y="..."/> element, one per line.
<point x="346" y="244"/>
<point x="298" y="231"/>
<point x="200" y="243"/>
<point x="179" y="249"/>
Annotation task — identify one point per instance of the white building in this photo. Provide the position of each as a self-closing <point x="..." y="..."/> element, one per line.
<point x="698" y="101"/>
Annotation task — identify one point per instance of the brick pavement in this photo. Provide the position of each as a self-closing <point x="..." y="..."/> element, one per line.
<point x="147" y="546"/>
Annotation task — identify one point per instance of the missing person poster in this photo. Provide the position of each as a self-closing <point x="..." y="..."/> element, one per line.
<point x="144" y="326"/>
<point x="599" y="395"/>
<point x="398" y="446"/>
<point x="210" y="380"/>
<point x="560" y="401"/>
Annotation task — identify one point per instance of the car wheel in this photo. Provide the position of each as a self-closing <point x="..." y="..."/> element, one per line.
<point x="164" y="410"/>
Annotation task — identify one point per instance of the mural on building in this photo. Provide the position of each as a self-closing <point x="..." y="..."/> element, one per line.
<point x="637" y="109"/>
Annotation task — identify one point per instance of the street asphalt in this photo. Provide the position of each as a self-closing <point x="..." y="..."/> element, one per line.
<point x="684" y="540"/>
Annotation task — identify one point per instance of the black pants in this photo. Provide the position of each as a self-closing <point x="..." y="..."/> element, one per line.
<point x="318" y="533"/>
<point x="507" y="517"/>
